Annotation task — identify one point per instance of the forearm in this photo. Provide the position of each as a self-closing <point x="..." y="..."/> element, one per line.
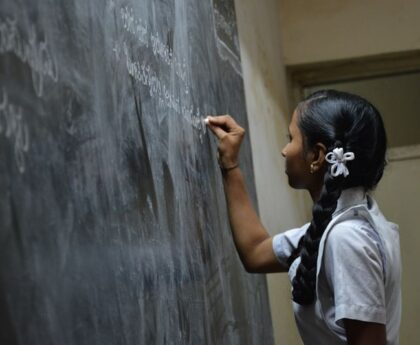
<point x="252" y="241"/>
<point x="247" y="229"/>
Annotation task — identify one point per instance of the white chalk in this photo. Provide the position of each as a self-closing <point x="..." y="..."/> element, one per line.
<point x="206" y="121"/>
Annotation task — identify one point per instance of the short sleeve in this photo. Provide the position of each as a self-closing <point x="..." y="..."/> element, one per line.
<point x="354" y="268"/>
<point x="285" y="242"/>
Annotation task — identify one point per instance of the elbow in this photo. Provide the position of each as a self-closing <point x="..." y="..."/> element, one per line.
<point x="251" y="267"/>
<point x="248" y="268"/>
<point x="254" y="259"/>
<point x="247" y="263"/>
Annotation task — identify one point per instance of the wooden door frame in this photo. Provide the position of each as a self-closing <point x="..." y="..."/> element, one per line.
<point x="389" y="64"/>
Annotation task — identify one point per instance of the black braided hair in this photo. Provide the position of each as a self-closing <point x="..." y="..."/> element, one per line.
<point x="336" y="119"/>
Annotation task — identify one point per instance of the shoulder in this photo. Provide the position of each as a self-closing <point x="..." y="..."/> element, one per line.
<point x="353" y="227"/>
<point x="286" y="242"/>
<point x="353" y="233"/>
<point x="355" y="244"/>
<point x="291" y="236"/>
<point x="353" y="270"/>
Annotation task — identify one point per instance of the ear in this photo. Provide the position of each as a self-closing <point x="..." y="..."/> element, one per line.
<point x="318" y="156"/>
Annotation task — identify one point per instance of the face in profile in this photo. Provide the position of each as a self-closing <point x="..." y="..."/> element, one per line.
<point x="297" y="165"/>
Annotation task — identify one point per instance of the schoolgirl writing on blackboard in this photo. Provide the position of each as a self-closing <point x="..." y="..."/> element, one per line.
<point x="344" y="265"/>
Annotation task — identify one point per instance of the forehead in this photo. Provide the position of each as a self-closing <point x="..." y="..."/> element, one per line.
<point x="293" y="126"/>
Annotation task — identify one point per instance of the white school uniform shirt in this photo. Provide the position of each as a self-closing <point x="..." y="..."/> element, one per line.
<point x="358" y="272"/>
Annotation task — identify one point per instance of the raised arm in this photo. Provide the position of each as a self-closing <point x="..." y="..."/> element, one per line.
<point x="252" y="241"/>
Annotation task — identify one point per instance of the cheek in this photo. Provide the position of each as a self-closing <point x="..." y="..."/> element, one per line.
<point x="295" y="169"/>
<point x="293" y="166"/>
<point x="292" y="159"/>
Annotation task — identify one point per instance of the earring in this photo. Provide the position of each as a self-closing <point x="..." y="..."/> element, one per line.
<point x="312" y="168"/>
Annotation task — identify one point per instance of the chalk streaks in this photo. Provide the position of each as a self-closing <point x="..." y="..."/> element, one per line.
<point x="139" y="29"/>
<point x="176" y="99"/>
<point x="146" y="75"/>
<point x="13" y="128"/>
<point x="221" y="23"/>
<point x="225" y="34"/>
<point x="30" y="50"/>
<point x="134" y="25"/>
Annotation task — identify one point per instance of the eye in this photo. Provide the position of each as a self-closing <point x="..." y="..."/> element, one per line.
<point x="289" y="137"/>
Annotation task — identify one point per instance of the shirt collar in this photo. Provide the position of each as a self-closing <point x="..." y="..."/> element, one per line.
<point x="350" y="197"/>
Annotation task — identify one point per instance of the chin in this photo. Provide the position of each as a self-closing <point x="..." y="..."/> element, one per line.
<point x="296" y="184"/>
<point x="291" y="183"/>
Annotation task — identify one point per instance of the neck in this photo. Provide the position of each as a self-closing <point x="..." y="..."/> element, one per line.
<point x="315" y="192"/>
<point x="316" y="184"/>
<point x="316" y="189"/>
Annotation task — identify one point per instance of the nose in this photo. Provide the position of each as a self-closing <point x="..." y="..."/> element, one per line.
<point x="283" y="152"/>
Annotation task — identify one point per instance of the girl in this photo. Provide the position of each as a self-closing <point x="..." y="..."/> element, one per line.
<point x="345" y="264"/>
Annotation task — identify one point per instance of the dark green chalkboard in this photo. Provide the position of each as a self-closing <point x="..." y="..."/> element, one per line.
<point x="113" y="225"/>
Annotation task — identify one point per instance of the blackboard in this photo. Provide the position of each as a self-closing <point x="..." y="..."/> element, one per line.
<point x="113" y="224"/>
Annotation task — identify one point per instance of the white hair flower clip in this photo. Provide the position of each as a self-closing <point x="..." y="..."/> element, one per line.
<point x="338" y="160"/>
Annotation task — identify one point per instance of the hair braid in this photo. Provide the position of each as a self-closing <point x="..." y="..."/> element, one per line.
<point x="336" y="119"/>
<point x="305" y="278"/>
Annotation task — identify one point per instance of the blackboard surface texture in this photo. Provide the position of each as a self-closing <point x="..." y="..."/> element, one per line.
<point x="113" y="222"/>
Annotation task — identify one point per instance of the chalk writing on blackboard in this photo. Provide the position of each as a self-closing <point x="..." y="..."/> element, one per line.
<point x="30" y="50"/>
<point x="137" y="27"/>
<point x="13" y="128"/>
<point x="113" y="212"/>
<point x="166" y="96"/>
<point x="134" y="25"/>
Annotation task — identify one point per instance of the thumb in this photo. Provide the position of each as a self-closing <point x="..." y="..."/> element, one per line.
<point x="224" y="121"/>
<point x="217" y="131"/>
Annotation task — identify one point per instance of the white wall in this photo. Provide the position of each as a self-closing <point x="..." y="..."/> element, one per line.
<point x="321" y="30"/>
<point x="280" y="207"/>
<point x="397" y="196"/>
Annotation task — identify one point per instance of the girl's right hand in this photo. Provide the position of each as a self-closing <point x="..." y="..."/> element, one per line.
<point x="230" y="136"/>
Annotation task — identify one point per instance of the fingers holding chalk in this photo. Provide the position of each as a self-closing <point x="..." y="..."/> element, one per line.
<point x="211" y="120"/>
<point x="223" y="122"/>
<point x="218" y="131"/>
<point x="229" y="135"/>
